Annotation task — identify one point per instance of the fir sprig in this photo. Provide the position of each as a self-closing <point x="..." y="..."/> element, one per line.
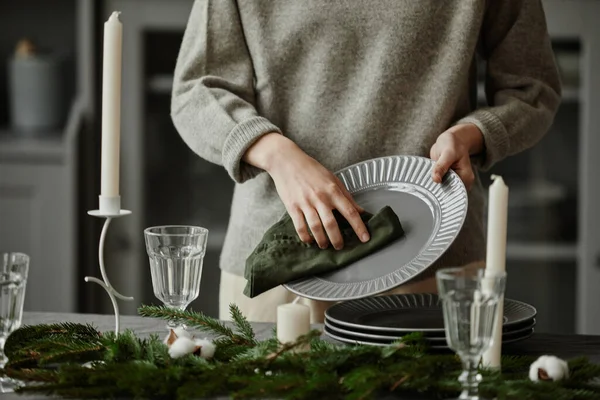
<point x="127" y="366"/>
<point x="299" y="344"/>
<point x="29" y="334"/>
<point x="243" y="326"/>
<point x="189" y="317"/>
<point x="31" y="346"/>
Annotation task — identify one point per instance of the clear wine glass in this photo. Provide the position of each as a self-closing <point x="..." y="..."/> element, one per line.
<point x="176" y="256"/>
<point x="470" y="302"/>
<point x="14" y="268"/>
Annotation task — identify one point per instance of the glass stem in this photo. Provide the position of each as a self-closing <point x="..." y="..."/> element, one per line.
<point x="470" y="378"/>
<point x="3" y="358"/>
<point x="172" y="324"/>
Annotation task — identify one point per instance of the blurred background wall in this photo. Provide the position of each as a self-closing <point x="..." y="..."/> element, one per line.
<point x="49" y="176"/>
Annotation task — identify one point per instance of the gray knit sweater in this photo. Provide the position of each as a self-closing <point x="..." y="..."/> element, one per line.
<point x="350" y="80"/>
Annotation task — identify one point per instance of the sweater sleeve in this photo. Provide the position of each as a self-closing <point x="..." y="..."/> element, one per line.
<point x="212" y="103"/>
<point x="522" y="82"/>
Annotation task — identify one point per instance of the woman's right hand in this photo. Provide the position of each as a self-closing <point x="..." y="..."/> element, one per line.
<point x="308" y="190"/>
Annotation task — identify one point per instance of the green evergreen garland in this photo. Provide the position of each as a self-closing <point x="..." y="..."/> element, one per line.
<point x="49" y="360"/>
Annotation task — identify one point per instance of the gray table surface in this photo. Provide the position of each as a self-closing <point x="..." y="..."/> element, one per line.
<point x="564" y="346"/>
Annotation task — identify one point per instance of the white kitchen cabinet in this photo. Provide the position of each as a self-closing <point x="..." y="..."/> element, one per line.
<point x="37" y="212"/>
<point x="39" y="171"/>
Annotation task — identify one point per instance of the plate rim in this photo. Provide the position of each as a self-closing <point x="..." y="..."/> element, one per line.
<point x="331" y="325"/>
<point x="374" y="336"/>
<point x="430" y="296"/>
<point x="526" y="335"/>
<point x="465" y="195"/>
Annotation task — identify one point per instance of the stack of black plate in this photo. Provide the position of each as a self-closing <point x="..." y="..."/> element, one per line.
<point x="381" y="320"/>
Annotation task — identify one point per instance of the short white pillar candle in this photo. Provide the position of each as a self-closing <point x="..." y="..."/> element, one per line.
<point x="293" y="321"/>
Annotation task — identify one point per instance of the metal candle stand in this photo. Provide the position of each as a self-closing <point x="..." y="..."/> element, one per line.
<point x="110" y="208"/>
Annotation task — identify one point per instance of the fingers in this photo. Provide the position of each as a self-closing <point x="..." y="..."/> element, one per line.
<point x="464" y="169"/>
<point x="312" y="213"/>
<point x="319" y="220"/>
<point x="461" y="165"/>
<point x="316" y="227"/>
<point x="331" y="227"/>
<point x="452" y="150"/>
<point x="352" y="215"/>
<point x="300" y="224"/>
<point x="442" y="165"/>
<point x="350" y="198"/>
<point x="350" y="210"/>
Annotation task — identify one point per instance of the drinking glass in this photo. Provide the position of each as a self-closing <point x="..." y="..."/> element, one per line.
<point x="13" y="279"/>
<point x="470" y="302"/>
<point x="176" y="255"/>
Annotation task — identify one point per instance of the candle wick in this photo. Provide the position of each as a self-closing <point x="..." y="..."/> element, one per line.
<point x="115" y="16"/>
<point x="296" y="300"/>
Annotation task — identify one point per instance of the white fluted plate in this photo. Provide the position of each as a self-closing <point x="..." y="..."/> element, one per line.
<point x="431" y="214"/>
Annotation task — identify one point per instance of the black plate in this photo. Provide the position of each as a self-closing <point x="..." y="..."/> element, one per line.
<point x="404" y="313"/>
<point x="433" y="336"/>
<point x="437" y="345"/>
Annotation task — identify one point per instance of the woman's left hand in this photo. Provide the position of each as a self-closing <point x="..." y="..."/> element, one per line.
<point x="453" y="150"/>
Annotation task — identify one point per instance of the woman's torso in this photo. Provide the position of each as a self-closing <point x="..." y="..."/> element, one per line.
<point x="353" y="80"/>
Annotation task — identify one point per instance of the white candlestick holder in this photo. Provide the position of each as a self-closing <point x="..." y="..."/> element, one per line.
<point x="110" y="208"/>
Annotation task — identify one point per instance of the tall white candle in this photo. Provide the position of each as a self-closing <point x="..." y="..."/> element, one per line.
<point x="111" y="106"/>
<point x="293" y="321"/>
<point x="496" y="259"/>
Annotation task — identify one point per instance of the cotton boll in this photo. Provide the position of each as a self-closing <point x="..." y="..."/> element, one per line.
<point x="176" y="333"/>
<point x="170" y="338"/>
<point x="182" y="346"/>
<point x="207" y="348"/>
<point x="548" y="368"/>
<point x="182" y="332"/>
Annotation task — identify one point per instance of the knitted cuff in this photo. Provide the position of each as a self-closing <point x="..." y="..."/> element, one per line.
<point x="241" y="137"/>
<point x="495" y="136"/>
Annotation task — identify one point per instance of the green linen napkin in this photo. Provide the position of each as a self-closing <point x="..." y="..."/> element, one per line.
<point x="281" y="256"/>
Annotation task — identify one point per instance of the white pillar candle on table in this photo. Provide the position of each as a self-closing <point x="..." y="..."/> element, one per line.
<point x="293" y="321"/>
<point x="111" y="106"/>
<point x="496" y="259"/>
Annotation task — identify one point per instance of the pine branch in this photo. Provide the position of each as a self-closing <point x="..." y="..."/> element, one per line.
<point x="261" y="350"/>
<point x="79" y="352"/>
<point x="31" y="375"/>
<point x="244" y="328"/>
<point x="228" y="349"/>
<point x="244" y="368"/>
<point x="125" y="346"/>
<point x="191" y="318"/>
<point x="27" y="335"/>
<point x="55" y="348"/>
<point x="301" y="342"/>
<point x="512" y="364"/>
<point x="282" y="386"/>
